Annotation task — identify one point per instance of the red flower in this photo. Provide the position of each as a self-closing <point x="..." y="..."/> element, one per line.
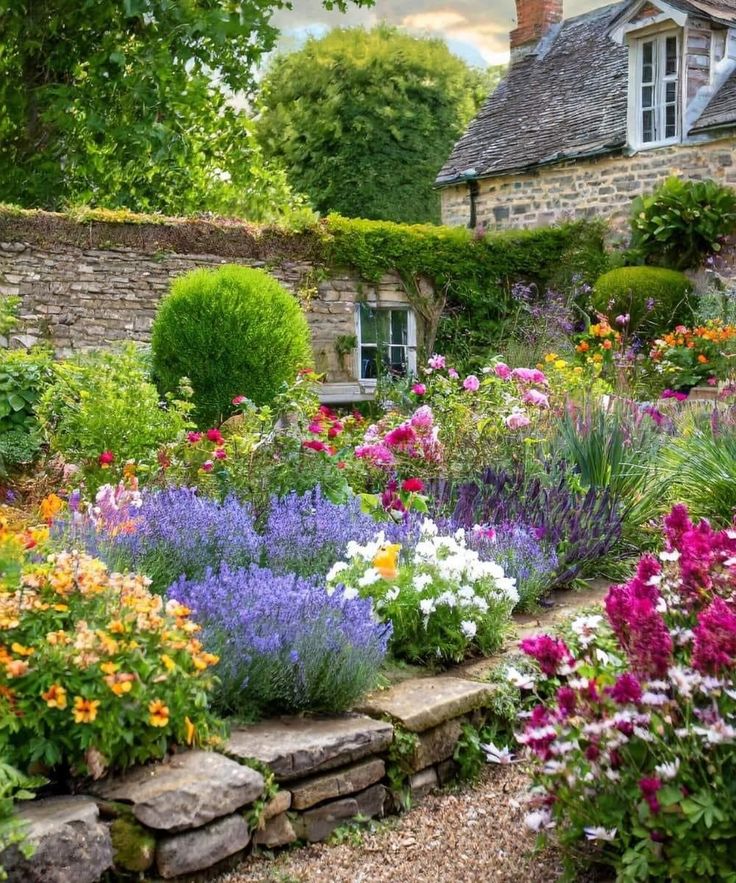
<point x="220" y="454"/>
<point x="214" y="435"/>
<point x="316" y="445"/>
<point x="194" y="437"/>
<point x="238" y="400"/>
<point x="106" y="458"/>
<point x="412" y="485"/>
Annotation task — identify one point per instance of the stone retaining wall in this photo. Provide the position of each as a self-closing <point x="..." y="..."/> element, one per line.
<point x="200" y="809"/>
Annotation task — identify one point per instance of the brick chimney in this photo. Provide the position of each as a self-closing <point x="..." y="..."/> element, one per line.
<point x="535" y="18"/>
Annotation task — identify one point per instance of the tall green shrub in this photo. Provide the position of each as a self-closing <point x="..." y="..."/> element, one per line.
<point x="654" y="299"/>
<point x="682" y="222"/>
<point x="232" y="331"/>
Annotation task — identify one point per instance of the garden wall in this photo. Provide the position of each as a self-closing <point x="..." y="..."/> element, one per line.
<point x="86" y="285"/>
<point x="584" y="188"/>
<point x="200" y="809"/>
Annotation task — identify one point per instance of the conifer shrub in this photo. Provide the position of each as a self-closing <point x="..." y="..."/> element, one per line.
<point x="232" y="331"/>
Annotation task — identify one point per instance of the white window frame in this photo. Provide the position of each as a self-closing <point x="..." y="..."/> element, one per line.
<point x="659" y="86"/>
<point x="715" y="62"/>
<point x="410" y="346"/>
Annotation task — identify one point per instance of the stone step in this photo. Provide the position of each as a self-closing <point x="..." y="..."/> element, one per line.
<point x="198" y="850"/>
<point x="418" y="705"/>
<point x="295" y="747"/>
<point x="318" y="823"/>
<point x="188" y="791"/>
<point x="338" y="783"/>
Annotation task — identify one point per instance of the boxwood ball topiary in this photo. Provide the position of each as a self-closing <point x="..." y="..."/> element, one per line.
<point x="232" y="331"/>
<point x="655" y="299"/>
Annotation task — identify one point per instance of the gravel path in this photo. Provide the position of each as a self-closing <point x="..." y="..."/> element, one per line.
<point x="475" y="835"/>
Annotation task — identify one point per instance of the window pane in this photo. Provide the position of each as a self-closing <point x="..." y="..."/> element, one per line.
<point x="647" y="74"/>
<point x="648" y="52"/>
<point x="367" y="324"/>
<point x="671" y="56"/>
<point x="647" y="128"/>
<point x="670" y="121"/>
<point x="647" y="96"/>
<point x="399" y="326"/>
<point x="398" y="360"/>
<point x="368" y="368"/>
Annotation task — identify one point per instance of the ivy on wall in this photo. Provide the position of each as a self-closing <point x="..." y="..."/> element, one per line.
<point x="458" y="282"/>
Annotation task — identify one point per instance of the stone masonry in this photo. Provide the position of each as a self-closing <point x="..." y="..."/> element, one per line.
<point x="584" y="188"/>
<point x="77" y="298"/>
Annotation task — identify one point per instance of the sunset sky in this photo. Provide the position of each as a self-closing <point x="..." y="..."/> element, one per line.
<point x="477" y="30"/>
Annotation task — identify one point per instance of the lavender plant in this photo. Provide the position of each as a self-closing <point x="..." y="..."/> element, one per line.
<point x="584" y="528"/>
<point x="285" y="643"/>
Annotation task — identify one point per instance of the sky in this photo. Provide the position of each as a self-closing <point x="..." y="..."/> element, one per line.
<point x="476" y="30"/>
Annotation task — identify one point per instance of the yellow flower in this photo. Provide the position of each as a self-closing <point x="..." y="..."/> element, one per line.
<point x="120" y="683"/>
<point x="109" y="668"/>
<point x="159" y="713"/>
<point x="550" y="357"/>
<point x="55" y="696"/>
<point x="21" y="650"/>
<point x="560" y="364"/>
<point x="168" y="662"/>
<point x="191" y="731"/>
<point x="85" y="710"/>
<point x="386" y="560"/>
<point x="50" y="506"/>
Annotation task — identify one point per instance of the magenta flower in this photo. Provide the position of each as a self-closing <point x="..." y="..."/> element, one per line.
<point x="419" y="389"/>
<point x="567" y="701"/>
<point x="220" y="454"/>
<point x="623" y="319"/>
<point x="315" y="428"/>
<point x="649" y="788"/>
<point x="214" y="435"/>
<point x="551" y="653"/>
<point x="714" y="646"/>
<point x="471" y="383"/>
<point x="208" y="466"/>
<point x="194" y="437"/>
<point x="627" y="689"/>
<point x="535" y="397"/>
<point x="452" y="373"/>
<point x="437" y="362"/>
<point x="502" y="370"/>
<point x="517" y="419"/>
<point x="529" y="375"/>
<point x="672" y="394"/>
<point x="317" y="445"/>
<point x="401" y="437"/>
<point x="238" y="400"/>
<point x="376" y="454"/>
<point x="422" y="419"/>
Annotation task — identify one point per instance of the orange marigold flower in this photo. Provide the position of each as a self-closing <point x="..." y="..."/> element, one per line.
<point x="120" y="683"/>
<point x="116" y="627"/>
<point x="386" y="561"/>
<point x="50" y="506"/>
<point x="159" y="713"/>
<point x="703" y="359"/>
<point x="85" y="710"/>
<point x="583" y="346"/>
<point x="16" y="668"/>
<point x="55" y="697"/>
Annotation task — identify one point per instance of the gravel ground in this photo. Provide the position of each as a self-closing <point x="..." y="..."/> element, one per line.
<point x="475" y="835"/>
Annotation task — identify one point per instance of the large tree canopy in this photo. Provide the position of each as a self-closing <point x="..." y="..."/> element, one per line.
<point x="363" y="120"/>
<point x="124" y="103"/>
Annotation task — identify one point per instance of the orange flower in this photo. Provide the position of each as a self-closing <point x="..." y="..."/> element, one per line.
<point x="85" y="710"/>
<point x="386" y="560"/>
<point x="159" y="713"/>
<point x="607" y="344"/>
<point x="190" y="730"/>
<point x="109" y="668"/>
<point x="50" y="506"/>
<point x="16" y="668"/>
<point x="120" y="683"/>
<point x="55" y="696"/>
<point x="703" y="359"/>
<point x="116" y="627"/>
<point x="583" y="346"/>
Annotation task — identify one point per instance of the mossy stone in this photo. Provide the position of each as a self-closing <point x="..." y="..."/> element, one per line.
<point x="133" y="846"/>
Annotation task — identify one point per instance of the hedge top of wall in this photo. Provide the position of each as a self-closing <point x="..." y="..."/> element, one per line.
<point x="102" y="229"/>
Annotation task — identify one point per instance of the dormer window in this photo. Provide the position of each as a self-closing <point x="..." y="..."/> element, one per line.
<point x="657" y="90"/>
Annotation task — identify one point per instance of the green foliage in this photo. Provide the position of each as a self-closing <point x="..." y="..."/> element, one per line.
<point x="24" y="374"/>
<point x="106" y="402"/>
<point x="14" y="785"/>
<point x="400" y="764"/>
<point x="655" y="299"/>
<point x="363" y="120"/>
<point x="8" y="314"/>
<point x="473" y="275"/>
<point x="233" y="331"/>
<point x="115" y="104"/>
<point x="683" y="221"/>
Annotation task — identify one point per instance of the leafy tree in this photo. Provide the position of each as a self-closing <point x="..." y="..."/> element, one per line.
<point x="126" y="103"/>
<point x="363" y="120"/>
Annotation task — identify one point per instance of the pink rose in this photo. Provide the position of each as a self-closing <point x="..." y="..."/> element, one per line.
<point x="517" y="419"/>
<point x="535" y="397"/>
<point x="238" y="400"/>
<point x="419" y="389"/>
<point x="452" y="373"/>
<point x="502" y="370"/>
<point x="471" y="383"/>
<point x="529" y="375"/>
<point x="437" y="362"/>
<point x="207" y="466"/>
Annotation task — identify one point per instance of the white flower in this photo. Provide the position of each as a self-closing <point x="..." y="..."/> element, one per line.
<point x="447" y="599"/>
<point x="668" y="770"/>
<point x="650" y="698"/>
<point x="350" y="594"/>
<point x="517" y="679"/>
<point x="604" y="834"/>
<point x="494" y="754"/>
<point x="369" y="578"/>
<point x="428" y="528"/>
<point x="585" y="628"/>
<point x="337" y="567"/>
<point x="669" y="556"/>
<point x="427" y="606"/>
<point x="393" y="593"/>
<point x="539" y="820"/>
<point x="421" y="581"/>
<point x="468" y="629"/>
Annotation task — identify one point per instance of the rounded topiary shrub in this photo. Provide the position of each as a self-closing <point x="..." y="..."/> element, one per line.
<point x="654" y="299"/>
<point x="232" y="331"/>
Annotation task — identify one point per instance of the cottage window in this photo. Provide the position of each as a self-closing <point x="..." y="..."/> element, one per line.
<point x="657" y="85"/>
<point x="386" y="341"/>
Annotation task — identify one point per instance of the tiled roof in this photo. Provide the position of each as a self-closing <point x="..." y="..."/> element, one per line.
<point x="568" y="100"/>
<point x="721" y="111"/>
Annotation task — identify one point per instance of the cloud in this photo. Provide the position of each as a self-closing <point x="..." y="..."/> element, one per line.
<point x="474" y="29"/>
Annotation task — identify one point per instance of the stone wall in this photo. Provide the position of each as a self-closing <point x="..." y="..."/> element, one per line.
<point x="78" y="295"/>
<point x="585" y="188"/>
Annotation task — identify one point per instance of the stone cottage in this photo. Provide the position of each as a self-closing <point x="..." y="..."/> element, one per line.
<point x="597" y="109"/>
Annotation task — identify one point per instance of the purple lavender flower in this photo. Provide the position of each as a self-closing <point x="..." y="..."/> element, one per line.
<point x="285" y="644"/>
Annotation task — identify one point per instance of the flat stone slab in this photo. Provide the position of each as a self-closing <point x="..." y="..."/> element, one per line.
<point x="336" y="783"/>
<point x="278" y="832"/>
<point x="436" y="745"/>
<point x="317" y="824"/>
<point x="69" y="841"/>
<point x="278" y="804"/>
<point x="198" y="850"/>
<point x="188" y="791"/>
<point x="422" y="703"/>
<point x="295" y="747"/>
